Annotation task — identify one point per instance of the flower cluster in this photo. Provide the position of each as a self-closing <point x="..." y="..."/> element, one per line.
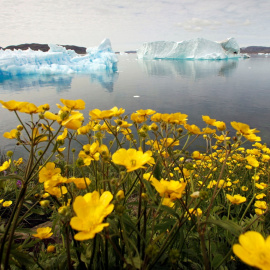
<point x="137" y="184"/>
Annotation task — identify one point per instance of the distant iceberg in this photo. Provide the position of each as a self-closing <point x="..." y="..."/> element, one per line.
<point x="58" y="60"/>
<point x="199" y="48"/>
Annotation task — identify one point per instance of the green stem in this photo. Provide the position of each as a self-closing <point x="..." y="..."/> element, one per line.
<point x="13" y="227"/>
<point x="93" y="252"/>
<point x="67" y="246"/>
<point x="139" y="223"/>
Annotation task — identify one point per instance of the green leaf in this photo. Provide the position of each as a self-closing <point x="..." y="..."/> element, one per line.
<point x="228" y="225"/>
<point x="11" y="177"/>
<point x="216" y="260"/>
<point x="149" y="190"/>
<point x="163" y="226"/>
<point x="167" y="209"/>
<point x="136" y="261"/>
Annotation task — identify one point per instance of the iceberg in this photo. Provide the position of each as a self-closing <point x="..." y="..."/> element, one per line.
<point x="199" y="48"/>
<point x="58" y="60"/>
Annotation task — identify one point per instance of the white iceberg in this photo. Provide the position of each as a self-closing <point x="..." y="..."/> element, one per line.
<point x="199" y="48"/>
<point x="58" y="60"/>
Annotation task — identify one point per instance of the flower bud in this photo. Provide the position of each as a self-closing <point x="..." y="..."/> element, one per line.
<point x="204" y="195"/>
<point x="79" y="162"/>
<point x="44" y="203"/>
<point x="9" y="153"/>
<point x="180" y="130"/>
<point x="195" y="194"/>
<point x="37" y="196"/>
<point x="20" y="127"/>
<point x="119" y="209"/>
<point x="144" y="196"/>
<point x="120" y="195"/>
<point x="63" y="210"/>
<point x="51" y="249"/>
<point x="46" y="107"/>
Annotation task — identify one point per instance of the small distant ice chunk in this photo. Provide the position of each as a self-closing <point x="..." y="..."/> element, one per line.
<point x="58" y="60"/>
<point x="136" y="96"/>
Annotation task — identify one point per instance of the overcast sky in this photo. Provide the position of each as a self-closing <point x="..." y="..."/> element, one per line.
<point x="129" y="23"/>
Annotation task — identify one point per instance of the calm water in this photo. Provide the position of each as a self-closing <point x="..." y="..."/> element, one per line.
<point x="233" y="90"/>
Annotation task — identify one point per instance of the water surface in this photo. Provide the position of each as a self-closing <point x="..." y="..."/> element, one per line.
<point x="227" y="90"/>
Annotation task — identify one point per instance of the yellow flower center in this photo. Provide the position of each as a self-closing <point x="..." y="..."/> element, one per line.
<point x="133" y="162"/>
<point x="262" y="257"/>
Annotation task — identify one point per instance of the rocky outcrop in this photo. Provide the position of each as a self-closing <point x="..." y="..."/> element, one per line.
<point x="44" y="47"/>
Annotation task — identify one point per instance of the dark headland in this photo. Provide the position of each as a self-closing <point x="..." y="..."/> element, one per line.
<point x="82" y="50"/>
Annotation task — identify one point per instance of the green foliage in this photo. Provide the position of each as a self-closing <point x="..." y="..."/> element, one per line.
<point x="173" y="207"/>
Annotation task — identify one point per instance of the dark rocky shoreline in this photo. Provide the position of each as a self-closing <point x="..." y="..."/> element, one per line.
<point x="82" y="50"/>
<point x="44" y="47"/>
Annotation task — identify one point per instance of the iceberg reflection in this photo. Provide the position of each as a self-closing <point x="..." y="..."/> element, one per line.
<point x="61" y="83"/>
<point x="105" y="79"/>
<point x="192" y="69"/>
<point x="22" y="83"/>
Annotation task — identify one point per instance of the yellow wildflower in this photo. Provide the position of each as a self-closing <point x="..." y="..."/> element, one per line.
<point x="208" y="120"/>
<point x="116" y="111"/>
<point x="13" y="134"/>
<point x="197" y="212"/>
<point x="253" y="250"/>
<point x="101" y="115"/>
<point x="89" y="153"/>
<point x="43" y="233"/>
<point x="78" y="104"/>
<point x="80" y="182"/>
<point x="252" y="161"/>
<point x="193" y="129"/>
<point x="259" y="211"/>
<point x="169" y="142"/>
<point x="236" y="199"/>
<point x="242" y="128"/>
<point x="55" y="191"/>
<point x="7" y="203"/>
<point x="177" y="118"/>
<point x="197" y="155"/>
<point x="91" y="209"/>
<point x="208" y="130"/>
<point x="12" y="105"/>
<point x="261" y="204"/>
<point x="137" y="118"/>
<point x="168" y="202"/>
<point x="145" y="112"/>
<point x="169" y="189"/>
<point x="220" y="125"/>
<point x="253" y="138"/>
<point x="63" y="135"/>
<point x="156" y="117"/>
<point x="260" y="196"/>
<point x="5" y="165"/>
<point x="69" y="119"/>
<point x="30" y="108"/>
<point x="131" y="158"/>
<point x="49" y="172"/>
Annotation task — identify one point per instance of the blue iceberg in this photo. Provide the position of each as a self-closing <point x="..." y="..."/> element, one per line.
<point x="199" y="48"/>
<point x="58" y="60"/>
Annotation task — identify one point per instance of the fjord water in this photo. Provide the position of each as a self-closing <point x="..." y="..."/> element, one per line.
<point x="227" y="90"/>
